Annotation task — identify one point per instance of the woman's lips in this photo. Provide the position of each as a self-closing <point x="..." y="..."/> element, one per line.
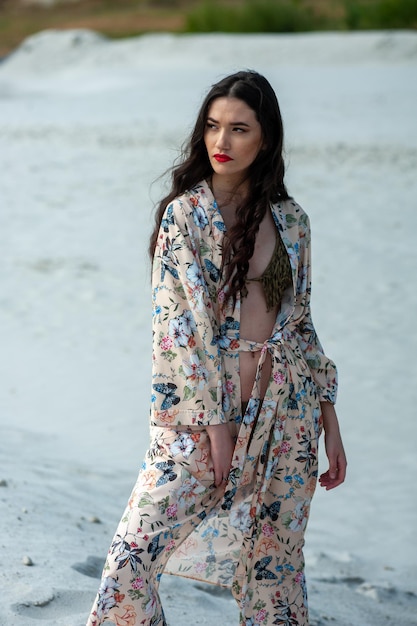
<point x="222" y="158"/>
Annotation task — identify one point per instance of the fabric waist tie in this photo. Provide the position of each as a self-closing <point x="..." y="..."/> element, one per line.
<point x="258" y="422"/>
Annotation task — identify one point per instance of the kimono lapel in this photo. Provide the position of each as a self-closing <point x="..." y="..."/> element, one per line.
<point x="287" y="224"/>
<point x="287" y="228"/>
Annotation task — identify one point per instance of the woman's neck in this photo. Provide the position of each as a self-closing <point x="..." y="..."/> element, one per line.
<point x="229" y="193"/>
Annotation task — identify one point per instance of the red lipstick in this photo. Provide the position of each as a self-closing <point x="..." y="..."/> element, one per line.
<point x="222" y="158"/>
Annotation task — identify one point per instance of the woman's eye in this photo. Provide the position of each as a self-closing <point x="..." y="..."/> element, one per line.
<point x="210" y="126"/>
<point x="239" y="130"/>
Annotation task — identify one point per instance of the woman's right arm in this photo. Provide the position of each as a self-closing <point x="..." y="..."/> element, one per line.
<point x="187" y="375"/>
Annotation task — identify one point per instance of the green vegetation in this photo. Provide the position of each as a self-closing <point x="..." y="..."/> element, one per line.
<point x="375" y="14"/>
<point x="113" y="18"/>
<point x="124" y="18"/>
<point x="300" y="15"/>
<point x="256" y="16"/>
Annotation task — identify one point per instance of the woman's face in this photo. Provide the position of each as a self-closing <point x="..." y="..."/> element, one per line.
<point x="233" y="137"/>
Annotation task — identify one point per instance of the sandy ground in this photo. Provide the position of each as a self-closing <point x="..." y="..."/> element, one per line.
<point x="86" y="127"/>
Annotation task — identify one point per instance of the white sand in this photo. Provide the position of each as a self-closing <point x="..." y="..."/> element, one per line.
<point x="85" y="126"/>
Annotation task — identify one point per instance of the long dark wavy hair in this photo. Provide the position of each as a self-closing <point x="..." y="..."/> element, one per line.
<point x="265" y="175"/>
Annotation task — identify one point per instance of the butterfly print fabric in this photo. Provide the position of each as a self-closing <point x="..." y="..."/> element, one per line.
<point x="249" y="534"/>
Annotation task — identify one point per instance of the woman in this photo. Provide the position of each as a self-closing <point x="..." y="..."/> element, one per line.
<point x="241" y="386"/>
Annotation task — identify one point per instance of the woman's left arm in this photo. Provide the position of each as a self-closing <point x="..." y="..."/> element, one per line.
<point x="322" y="368"/>
<point x="335" y="452"/>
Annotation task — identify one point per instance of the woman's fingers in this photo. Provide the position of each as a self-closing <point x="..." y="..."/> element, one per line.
<point x="336" y="473"/>
<point x="222" y="459"/>
<point x="222" y="446"/>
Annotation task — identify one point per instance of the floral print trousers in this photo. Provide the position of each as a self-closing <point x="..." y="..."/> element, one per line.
<point x="259" y="556"/>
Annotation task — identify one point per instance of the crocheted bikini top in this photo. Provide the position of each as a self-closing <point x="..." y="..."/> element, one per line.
<point x="276" y="277"/>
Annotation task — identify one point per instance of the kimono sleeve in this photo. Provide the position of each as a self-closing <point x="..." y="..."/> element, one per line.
<point x="323" y="369"/>
<point x="186" y="372"/>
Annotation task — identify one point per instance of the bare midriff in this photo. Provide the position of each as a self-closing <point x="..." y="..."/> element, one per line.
<point x="256" y="324"/>
<point x="256" y="321"/>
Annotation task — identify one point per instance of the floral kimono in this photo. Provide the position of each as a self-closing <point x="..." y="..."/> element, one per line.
<point x="248" y="536"/>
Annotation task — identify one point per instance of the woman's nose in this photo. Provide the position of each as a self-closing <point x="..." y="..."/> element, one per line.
<point x="223" y="140"/>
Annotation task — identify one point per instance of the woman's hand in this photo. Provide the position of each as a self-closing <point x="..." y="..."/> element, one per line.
<point x="336" y="473"/>
<point x="222" y="446"/>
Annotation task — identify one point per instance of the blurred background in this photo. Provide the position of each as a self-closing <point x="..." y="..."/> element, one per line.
<point x="90" y="116"/>
<point x="125" y="18"/>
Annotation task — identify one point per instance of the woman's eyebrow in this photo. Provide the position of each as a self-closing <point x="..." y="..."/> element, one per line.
<point x="211" y="119"/>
